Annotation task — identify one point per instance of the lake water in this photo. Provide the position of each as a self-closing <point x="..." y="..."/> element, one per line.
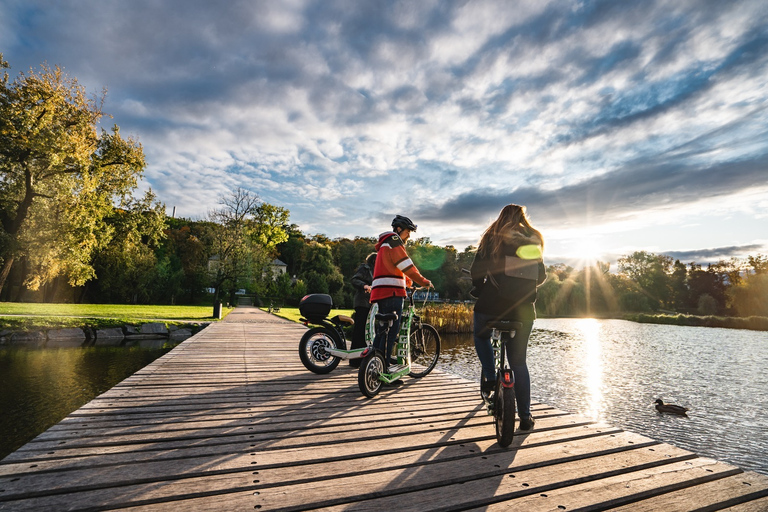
<point x="613" y="371"/>
<point x="39" y="387"/>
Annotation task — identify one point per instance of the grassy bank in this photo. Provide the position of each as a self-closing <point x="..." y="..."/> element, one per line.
<point x="754" y="323"/>
<point x="29" y="316"/>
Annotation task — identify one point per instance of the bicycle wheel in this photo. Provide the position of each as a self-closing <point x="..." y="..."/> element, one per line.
<point x="504" y="414"/>
<point x="368" y="375"/>
<point x="425" y="350"/>
<point x="313" y="350"/>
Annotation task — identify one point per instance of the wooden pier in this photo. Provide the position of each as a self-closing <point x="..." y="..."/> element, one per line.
<point x="231" y="420"/>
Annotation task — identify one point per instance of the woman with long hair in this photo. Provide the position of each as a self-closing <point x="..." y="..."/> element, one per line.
<point x="507" y="270"/>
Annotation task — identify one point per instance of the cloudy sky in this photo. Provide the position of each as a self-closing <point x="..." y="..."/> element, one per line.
<point x="622" y="126"/>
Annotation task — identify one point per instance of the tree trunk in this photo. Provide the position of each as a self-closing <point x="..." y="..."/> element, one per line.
<point x="5" y="271"/>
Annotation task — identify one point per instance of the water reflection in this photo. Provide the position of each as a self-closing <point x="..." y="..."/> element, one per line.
<point x="591" y="361"/>
<point x="39" y="387"/>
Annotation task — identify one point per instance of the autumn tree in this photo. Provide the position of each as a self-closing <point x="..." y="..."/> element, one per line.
<point x="59" y="175"/>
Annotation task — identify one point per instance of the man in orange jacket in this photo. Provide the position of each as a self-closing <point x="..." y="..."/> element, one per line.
<point x="392" y="274"/>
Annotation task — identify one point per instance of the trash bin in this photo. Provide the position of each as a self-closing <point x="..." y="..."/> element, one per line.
<point x="217" y="309"/>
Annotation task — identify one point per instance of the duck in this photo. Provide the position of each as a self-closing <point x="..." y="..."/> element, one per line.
<point x="670" y="408"/>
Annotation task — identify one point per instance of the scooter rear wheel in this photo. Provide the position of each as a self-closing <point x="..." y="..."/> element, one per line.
<point x="313" y="350"/>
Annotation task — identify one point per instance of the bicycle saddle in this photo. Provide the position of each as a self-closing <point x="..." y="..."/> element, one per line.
<point x="386" y="317"/>
<point x="505" y="325"/>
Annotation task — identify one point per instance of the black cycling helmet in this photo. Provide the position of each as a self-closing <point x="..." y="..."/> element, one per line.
<point x="403" y="222"/>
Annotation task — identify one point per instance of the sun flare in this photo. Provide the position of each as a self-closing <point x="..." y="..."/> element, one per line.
<point x="587" y="250"/>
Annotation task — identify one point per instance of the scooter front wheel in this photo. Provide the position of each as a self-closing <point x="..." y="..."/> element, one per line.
<point x="368" y="375"/>
<point x="425" y="350"/>
<point x="313" y="350"/>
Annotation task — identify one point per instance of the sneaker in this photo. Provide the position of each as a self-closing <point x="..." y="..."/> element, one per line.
<point x="527" y="422"/>
<point x="487" y="387"/>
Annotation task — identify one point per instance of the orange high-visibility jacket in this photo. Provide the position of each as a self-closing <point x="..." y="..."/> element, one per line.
<point x="394" y="270"/>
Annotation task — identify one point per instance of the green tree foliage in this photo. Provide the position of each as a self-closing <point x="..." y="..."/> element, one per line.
<point x="186" y="253"/>
<point x="711" y="282"/>
<point x="652" y="273"/>
<point x="59" y="176"/>
<point x="127" y="269"/>
<point x="269" y="222"/>
<point x="321" y="273"/>
<point x="750" y="295"/>
<point x="244" y="233"/>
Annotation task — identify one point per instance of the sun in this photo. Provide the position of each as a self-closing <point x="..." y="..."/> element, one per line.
<point x="587" y="250"/>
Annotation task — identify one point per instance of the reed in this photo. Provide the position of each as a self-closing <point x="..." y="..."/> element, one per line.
<point x="448" y="318"/>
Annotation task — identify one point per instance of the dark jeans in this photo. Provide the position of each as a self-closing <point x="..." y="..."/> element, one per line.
<point x="516" y="351"/>
<point x="389" y="305"/>
<point x="358" y="333"/>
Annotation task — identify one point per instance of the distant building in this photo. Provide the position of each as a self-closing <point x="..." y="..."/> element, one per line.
<point x="278" y="268"/>
<point x="213" y="263"/>
<point x="426" y="295"/>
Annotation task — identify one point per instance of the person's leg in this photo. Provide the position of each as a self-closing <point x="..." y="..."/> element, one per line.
<point x="358" y="333"/>
<point x="483" y="348"/>
<point x="388" y="305"/>
<point x="516" y="350"/>
<point x="396" y="307"/>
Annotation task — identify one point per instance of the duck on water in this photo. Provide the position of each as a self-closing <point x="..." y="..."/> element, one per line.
<point x="671" y="408"/>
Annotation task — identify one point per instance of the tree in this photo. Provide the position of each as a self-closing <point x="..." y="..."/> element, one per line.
<point x="59" y="176"/>
<point x="246" y="232"/>
<point x="185" y="248"/>
<point x="234" y="250"/>
<point x="709" y="282"/>
<point x="127" y="269"/>
<point x="651" y="272"/>
<point x="750" y="295"/>
<point x="320" y="272"/>
<point x="270" y="224"/>
<point x="679" y="285"/>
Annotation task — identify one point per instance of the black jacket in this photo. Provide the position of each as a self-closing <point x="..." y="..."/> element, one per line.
<point x="363" y="276"/>
<point x="506" y="287"/>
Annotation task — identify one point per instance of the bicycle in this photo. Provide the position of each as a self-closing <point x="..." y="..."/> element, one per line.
<point x="500" y="403"/>
<point x="323" y="347"/>
<point x="417" y="344"/>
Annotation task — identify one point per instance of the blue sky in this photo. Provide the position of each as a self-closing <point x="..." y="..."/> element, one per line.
<point x="622" y="126"/>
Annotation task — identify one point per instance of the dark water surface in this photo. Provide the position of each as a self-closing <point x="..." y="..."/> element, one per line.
<point x="39" y="387"/>
<point x="613" y="371"/>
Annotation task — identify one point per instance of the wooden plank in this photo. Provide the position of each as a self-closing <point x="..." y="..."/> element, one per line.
<point x="302" y="464"/>
<point x="746" y="488"/>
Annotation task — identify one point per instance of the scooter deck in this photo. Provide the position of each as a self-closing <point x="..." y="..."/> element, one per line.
<point x="346" y="354"/>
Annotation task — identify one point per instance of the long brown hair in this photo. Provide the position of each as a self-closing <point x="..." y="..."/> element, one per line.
<point x="511" y="218"/>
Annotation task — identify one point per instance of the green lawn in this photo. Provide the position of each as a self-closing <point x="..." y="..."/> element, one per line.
<point x="41" y="316"/>
<point x="294" y="315"/>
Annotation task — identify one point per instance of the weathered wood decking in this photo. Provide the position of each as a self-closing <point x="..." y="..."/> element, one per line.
<point x="231" y="420"/>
